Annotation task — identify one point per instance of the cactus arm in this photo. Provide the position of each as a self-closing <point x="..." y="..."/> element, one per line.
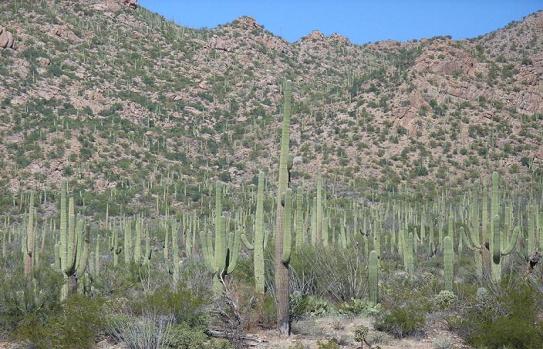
<point x="246" y="242"/>
<point x="233" y="251"/>
<point x="83" y="253"/>
<point x="207" y="252"/>
<point x="513" y="242"/>
<point x="467" y="237"/>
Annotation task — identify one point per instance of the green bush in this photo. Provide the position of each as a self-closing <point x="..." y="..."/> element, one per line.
<point x="181" y="303"/>
<point x="185" y="337"/>
<point x="444" y="300"/>
<point x="402" y="321"/>
<point x="506" y="319"/>
<point x="309" y="306"/>
<point x="330" y="344"/>
<point x="359" y="307"/>
<point x="22" y="298"/>
<point x="75" y="324"/>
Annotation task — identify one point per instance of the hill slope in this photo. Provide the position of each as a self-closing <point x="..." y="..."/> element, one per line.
<point x="105" y="94"/>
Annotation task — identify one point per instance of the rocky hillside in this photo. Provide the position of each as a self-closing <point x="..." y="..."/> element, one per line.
<point x="106" y="93"/>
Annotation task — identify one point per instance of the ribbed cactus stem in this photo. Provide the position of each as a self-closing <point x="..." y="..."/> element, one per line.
<point x="137" y="243"/>
<point x="175" y="252"/>
<point x="220" y="259"/>
<point x="319" y="218"/>
<point x="97" y="256"/>
<point x="127" y="241"/>
<point x="258" y="254"/>
<point x="287" y="228"/>
<point x="281" y="268"/>
<point x="299" y="220"/>
<point x="73" y="247"/>
<point x="147" y="258"/>
<point x="448" y="262"/>
<point x="29" y="243"/>
<point x="314" y="222"/>
<point x="373" y="277"/>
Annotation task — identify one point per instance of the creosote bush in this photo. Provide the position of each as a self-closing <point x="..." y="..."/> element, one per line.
<point x="75" y="324"/>
<point x="505" y="318"/>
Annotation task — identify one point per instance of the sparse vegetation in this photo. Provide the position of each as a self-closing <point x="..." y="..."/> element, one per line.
<point x="159" y="189"/>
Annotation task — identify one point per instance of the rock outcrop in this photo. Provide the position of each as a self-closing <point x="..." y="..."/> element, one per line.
<point x="131" y="3"/>
<point x="6" y="39"/>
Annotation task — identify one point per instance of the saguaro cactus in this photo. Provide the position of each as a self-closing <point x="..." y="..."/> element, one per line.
<point x="320" y="221"/>
<point x="258" y="240"/>
<point x="299" y="220"/>
<point x="29" y="239"/>
<point x="74" y="246"/>
<point x="222" y="258"/>
<point x="448" y="262"/>
<point x="499" y="245"/>
<point x="282" y="250"/>
<point x="373" y="277"/>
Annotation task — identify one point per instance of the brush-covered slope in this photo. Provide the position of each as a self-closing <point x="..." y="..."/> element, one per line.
<point x="107" y="95"/>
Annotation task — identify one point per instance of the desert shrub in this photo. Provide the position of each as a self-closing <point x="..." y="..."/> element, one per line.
<point x="297" y="345"/>
<point x="185" y="337"/>
<point x="324" y="272"/>
<point x="444" y="300"/>
<point x="180" y="303"/>
<point x="506" y="317"/>
<point x="442" y="343"/>
<point x="75" y="324"/>
<point x="22" y="298"/>
<point x="309" y="306"/>
<point x="404" y="290"/>
<point x="330" y="344"/>
<point x="150" y="331"/>
<point x="359" y="307"/>
<point x="361" y="333"/>
<point x="401" y="321"/>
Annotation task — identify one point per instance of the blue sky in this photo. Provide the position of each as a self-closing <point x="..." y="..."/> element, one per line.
<point x="360" y="20"/>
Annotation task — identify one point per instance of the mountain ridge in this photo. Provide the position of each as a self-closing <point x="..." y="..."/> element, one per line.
<point x="104" y="94"/>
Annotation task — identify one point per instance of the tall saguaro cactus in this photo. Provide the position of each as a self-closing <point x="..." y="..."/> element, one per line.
<point x="258" y="240"/>
<point x="498" y="243"/>
<point x="282" y="250"/>
<point x="222" y="258"/>
<point x="448" y="262"/>
<point x="29" y="239"/>
<point x="74" y="246"/>
<point x="373" y="277"/>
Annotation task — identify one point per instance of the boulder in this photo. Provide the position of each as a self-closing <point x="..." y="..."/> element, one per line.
<point x="131" y="3"/>
<point x="6" y="39"/>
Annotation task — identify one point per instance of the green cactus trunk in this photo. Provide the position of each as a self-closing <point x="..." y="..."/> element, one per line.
<point x="448" y="263"/>
<point x="74" y="247"/>
<point x="373" y="277"/>
<point x="281" y="251"/>
<point x="258" y="242"/>
<point x="29" y="242"/>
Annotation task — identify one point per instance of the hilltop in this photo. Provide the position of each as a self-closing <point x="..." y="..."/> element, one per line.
<point x="107" y="94"/>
